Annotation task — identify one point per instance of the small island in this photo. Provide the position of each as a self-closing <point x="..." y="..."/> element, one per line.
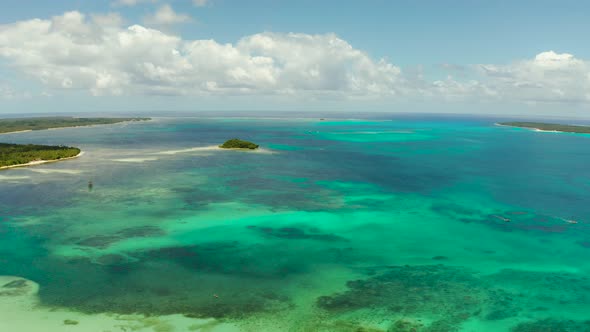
<point x="41" y="123"/>
<point x="15" y="155"/>
<point x="549" y="127"/>
<point x="236" y="143"/>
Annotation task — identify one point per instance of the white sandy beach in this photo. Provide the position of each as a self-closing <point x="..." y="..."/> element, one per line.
<point x="40" y="162"/>
<point x="533" y="129"/>
<point x="16" y="132"/>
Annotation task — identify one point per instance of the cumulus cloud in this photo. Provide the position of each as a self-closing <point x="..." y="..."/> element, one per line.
<point x="548" y="77"/>
<point x="73" y="52"/>
<point x="108" y="20"/>
<point x="165" y="15"/>
<point x="100" y="55"/>
<point x="201" y="3"/>
<point x="130" y="3"/>
<point x="8" y="93"/>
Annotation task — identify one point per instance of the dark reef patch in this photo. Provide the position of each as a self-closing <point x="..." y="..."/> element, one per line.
<point x="101" y="241"/>
<point x="19" y="283"/>
<point x="141" y="231"/>
<point x="560" y="289"/>
<point x="157" y="287"/>
<point x="452" y="295"/>
<point x="452" y="210"/>
<point x="70" y="322"/>
<point x="432" y="289"/>
<point x="14" y="288"/>
<point x="293" y="233"/>
<point x="104" y="241"/>
<point x="553" y="325"/>
<point x="255" y="260"/>
<point x="112" y="259"/>
<point x="225" y="279"/>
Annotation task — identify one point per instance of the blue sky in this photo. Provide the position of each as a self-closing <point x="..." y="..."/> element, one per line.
<point x="452" y="55"/>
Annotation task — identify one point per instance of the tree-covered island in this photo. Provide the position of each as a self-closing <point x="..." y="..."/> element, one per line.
<point x="26" y="124"/>
<point x="22" y="154"/>
<point x="236" y="143"/>
<point x="549" y="127"/>
<point x="12" y="155"/>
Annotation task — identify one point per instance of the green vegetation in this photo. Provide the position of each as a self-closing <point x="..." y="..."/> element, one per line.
<point x="549" y="126"/>
<point x="18" y="154"/>
<point x="236" y="143"/>
<point x="12" y="125"/>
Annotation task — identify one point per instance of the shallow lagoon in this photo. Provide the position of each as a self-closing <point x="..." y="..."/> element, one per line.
<point x="394" y="224"/>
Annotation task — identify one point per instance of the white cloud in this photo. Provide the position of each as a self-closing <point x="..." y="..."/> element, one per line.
<point x="72" y="52"/>
<point x="201" y="3"/>
<point x="165" y="15"/>
<point x="548" y="77"/>
<point x="100" y="55"/>
<point x="108" y="20"/>
<point x="130" y="3"/>
<point x="8" y="93"/>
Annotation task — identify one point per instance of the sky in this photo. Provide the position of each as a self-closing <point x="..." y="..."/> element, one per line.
<point x="492" y="57"/>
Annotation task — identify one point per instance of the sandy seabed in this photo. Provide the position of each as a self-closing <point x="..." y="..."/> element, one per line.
<point x="20" y="311"/>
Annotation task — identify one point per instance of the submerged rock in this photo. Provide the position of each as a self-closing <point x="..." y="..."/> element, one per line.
<point x="16" y="287"/>
<point x="19" y="283"/>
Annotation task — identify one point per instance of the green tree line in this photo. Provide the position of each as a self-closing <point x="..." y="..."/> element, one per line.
<point x="10" y="125"/>
<point x="17" y="154"/>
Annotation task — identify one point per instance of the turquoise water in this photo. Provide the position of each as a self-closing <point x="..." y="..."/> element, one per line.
<point x="397" y="224"/>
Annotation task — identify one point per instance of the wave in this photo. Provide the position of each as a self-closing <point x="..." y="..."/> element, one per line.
<point x="135" y="159"/>
<point x="50" y="171"/>
<point x="13" y="178"/>
<point x="195" y="149"/>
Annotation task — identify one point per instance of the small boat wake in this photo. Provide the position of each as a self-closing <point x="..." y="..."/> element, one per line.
<point x="569" y="221"/>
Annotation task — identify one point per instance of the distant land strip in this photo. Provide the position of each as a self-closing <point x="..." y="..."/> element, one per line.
<point x="41" y="123"/>
<point x="549" y="127"/>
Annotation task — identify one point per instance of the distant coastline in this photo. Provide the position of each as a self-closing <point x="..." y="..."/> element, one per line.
<point x="16" y="132"/>
<point x="23" y="125"/>
<point x="548" y="127"/>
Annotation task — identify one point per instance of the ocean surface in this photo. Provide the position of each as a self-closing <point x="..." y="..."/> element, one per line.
<point x="402" y="223"/>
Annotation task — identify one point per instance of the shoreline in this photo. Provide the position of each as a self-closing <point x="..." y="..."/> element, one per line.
<point x="16" y="132"/>
<point x="536" y="129"/>
<point x="41" y="162"/>
<point x="56" y="128"/>
<point x="23" y="311"/>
